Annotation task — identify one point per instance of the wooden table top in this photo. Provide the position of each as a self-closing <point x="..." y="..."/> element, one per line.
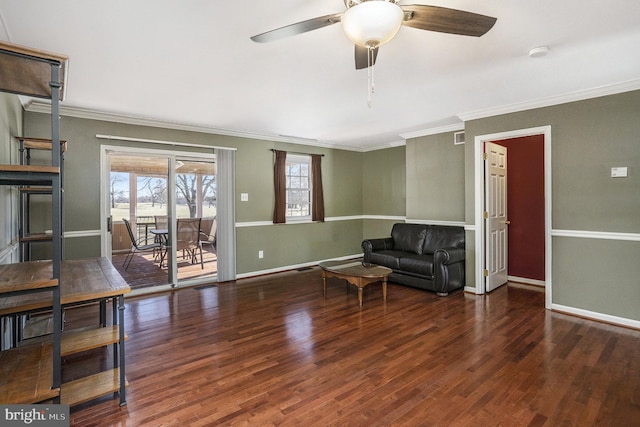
<point x="81" y="280"/>
<point x="355" y="268"/>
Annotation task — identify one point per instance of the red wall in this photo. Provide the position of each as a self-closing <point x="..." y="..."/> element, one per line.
<point x="525" y="206"/>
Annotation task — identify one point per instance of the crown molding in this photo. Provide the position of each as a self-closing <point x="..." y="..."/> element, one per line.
<point x="456" y="127"/>
<point x="36" y="106"/>
<point x="384" y="146"/>
<point x="627" y="86"/>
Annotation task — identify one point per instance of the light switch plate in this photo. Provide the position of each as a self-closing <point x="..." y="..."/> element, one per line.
<point x="244" y="197"/>
<point x="620" y="172"/>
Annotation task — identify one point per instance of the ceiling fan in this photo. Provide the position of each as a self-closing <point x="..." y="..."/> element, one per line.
<point x="371" y="23"/>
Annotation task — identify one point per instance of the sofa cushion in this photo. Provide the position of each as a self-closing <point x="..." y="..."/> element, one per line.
<point x="417" y="264"/>
<point x="408" y="237"/>
<point x="386" y="258"/>
<point x="442" y="236"/>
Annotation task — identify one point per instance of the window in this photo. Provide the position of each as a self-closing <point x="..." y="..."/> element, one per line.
<point x="298" y="176"/>
<point x="297" y="182"/>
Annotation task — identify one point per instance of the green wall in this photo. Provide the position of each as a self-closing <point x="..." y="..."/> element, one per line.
<point x="430" y="179"/>
<point x="588" y="139"/>
<point x="384" y="194"/>
<point x="283" y="245"/>
<point x="384" y="182"/>
<point x="435" y="178"/>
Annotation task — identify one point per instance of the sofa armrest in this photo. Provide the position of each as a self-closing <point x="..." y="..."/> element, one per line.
<point x="448" y="268"/>
<point x="448" y="256"/>
<point x="372" y="245"/>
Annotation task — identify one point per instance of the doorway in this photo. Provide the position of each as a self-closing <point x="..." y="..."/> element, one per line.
<point x="162" y="207"/>
<point x="481" y="228"/>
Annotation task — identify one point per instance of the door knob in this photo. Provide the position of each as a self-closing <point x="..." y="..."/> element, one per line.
<point x="507" y="222"/>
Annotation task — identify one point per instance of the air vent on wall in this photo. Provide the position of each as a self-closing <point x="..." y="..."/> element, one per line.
<point x="458" y="138"/>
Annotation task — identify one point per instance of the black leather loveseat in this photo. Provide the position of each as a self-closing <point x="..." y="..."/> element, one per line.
<point x="429" y="257"/>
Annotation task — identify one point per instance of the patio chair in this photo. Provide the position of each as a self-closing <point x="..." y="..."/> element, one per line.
<point x="162" y="222"/>
<point x="137" y="246"/>
<point x="188" y="238"/>
<point x="209" y="236"/>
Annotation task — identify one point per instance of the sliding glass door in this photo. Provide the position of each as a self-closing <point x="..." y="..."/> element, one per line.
<point x="162" y="211"/>
<point x="196" y="219"/>
<point x="138" y="207"/>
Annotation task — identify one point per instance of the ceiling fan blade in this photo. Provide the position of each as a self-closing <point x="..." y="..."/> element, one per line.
<point x="445" y="20"/>
<point x="361" y="57"/>
<point x="297" y="28"/>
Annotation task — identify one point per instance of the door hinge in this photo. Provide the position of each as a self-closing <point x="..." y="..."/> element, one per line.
<point x="485" y="214"/>
<point x="486" y="273"/>
<point x="484" y="156"/>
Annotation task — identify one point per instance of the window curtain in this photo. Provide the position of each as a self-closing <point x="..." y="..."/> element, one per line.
<point x="317" y="196"/>
<point x="225" y="215"/>
<point x="280" y="187"/>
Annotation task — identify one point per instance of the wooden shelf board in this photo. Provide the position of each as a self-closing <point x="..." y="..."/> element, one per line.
<point x="26" y="276"/>
<point x="36" y="237"/>
<point x="82" y="280"/>
<point x="41" y="143"/>
<point x="83" y="340"/>
<point x="30" y="169"/>
<point x="35" y="190"/>
<point x="91" y="387"/>
<point x="26" y="374"/>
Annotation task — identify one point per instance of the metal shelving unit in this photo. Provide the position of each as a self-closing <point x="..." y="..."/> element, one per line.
<point x="31" y="372"/>
<point x="26" y="235"/>
<point x="39" y="74"/>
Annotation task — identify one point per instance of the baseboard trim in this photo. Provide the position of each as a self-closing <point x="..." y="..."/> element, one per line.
<point x="601" y="317"/>
<point x="526" y="281"/>
<point x="292" y="267"/>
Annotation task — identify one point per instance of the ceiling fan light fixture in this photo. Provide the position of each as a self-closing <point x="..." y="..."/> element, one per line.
<point x="372" y="23"/>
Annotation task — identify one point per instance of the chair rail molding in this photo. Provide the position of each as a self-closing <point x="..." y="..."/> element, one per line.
<point x="606" y="235"/>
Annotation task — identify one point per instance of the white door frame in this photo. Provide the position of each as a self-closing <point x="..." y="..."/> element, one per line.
<point x="479" y="203"/>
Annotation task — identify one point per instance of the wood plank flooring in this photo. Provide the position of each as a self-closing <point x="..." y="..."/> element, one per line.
<point x="273" y="351"/>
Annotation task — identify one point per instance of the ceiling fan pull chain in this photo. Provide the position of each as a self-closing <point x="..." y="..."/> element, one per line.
<point x="370" y="83"/>
<point x="372" y="65"/>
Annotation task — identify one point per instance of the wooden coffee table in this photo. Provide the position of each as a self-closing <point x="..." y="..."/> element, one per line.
<point x="356" y="274"/>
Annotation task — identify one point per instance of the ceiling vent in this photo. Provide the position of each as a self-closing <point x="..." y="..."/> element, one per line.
<point x="458" y="138"/>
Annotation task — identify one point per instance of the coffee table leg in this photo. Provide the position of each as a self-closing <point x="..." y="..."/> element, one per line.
<point x="384" y="289"/>
<point x="360" y="296"/>
<point x="324" y="284"/>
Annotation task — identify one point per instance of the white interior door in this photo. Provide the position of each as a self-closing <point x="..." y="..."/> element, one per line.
<point x="496" y="223"/>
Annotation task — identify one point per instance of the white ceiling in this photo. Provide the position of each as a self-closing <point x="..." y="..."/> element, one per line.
<point x="191" y="63"/>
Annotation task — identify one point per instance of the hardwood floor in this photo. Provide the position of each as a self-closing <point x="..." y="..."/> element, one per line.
<point x="273" y="351"/>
